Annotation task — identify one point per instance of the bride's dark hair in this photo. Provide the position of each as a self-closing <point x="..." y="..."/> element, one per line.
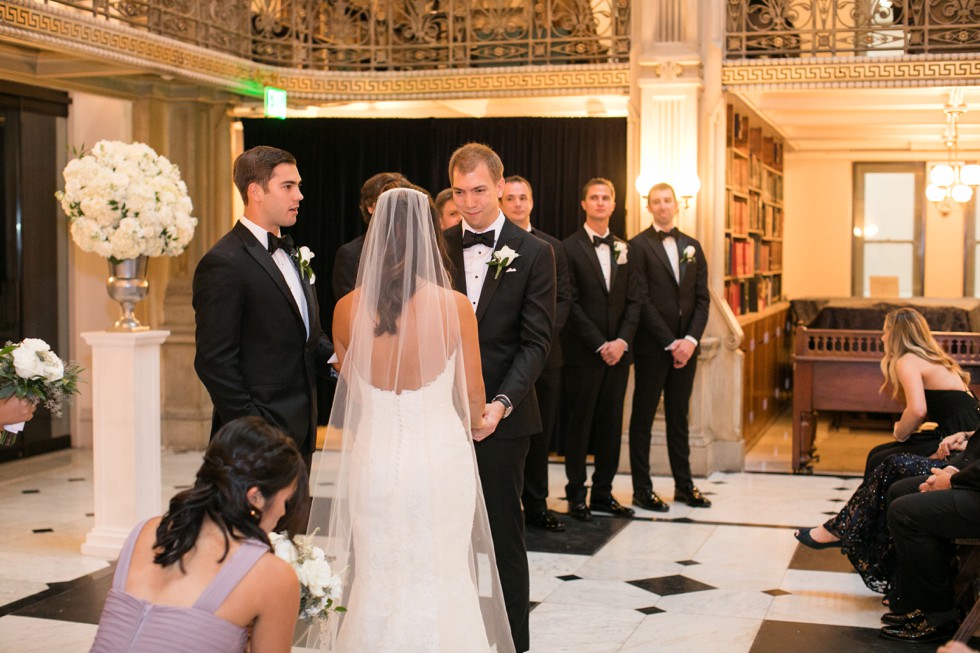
<point x="245" y="453"/>
<point x="401" y="237"/>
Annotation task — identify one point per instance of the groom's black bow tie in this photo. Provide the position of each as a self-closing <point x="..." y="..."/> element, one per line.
<point x="470" y="239"/>
<point x="607" y="240"/>
<point x="285" y="244"/>
<point x="673" y="233"/>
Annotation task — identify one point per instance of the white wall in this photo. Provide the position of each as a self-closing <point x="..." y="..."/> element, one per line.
<point x="91" y="118"/>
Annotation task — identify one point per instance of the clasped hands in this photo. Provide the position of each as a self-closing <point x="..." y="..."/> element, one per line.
<point x="492" y="414"/>
<point x="939" y="479"/>
<point x="612" y="351"/>
<point x="681" y="349"/>
<point x="949" y="444"/>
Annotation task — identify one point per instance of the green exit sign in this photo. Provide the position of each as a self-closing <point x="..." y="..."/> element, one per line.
<point x="275" y="102"/>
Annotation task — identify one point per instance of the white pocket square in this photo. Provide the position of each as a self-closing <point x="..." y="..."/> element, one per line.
<point x="510" y="270"/>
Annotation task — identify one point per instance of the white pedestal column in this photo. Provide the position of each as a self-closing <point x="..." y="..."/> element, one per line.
<point x="126" y="434"/>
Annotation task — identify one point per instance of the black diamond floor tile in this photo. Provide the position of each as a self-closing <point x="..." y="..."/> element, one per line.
<point x="79" y="600"/>
<point x="809" y="559"/>
<point x="578" y="538"/>
<point x="650" y="610"/>
<point x="776" y="592"/>
<point x="570" y="577"/>
<point x="782" y="636"/>
<point x="667" y="585"/>
<point x="688" y="563"/>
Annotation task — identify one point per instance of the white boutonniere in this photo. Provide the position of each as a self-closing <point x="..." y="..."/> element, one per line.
<point x="620" y="252"/>
<point x="688" y="255"/>
<point x="501" y="260"/>
<point x="303" y="256"/>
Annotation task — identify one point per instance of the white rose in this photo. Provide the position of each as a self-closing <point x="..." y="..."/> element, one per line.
<point x="305" y="254"/>
<point x="27" y="363"/>
<point x="689" y="251"/>
<point x="35" y="344"/>
<point x="283" y="547"/>
<point x="315" y="575"/>
<point x="54" y="369"/>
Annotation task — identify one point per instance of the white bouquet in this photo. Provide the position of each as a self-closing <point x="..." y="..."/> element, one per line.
<point x="319" y="587"/>
<point x="123" y="200"/>
<point x="30" y="370"/>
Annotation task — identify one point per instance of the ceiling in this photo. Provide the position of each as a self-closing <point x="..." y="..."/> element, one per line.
<point x="889" y="120"/>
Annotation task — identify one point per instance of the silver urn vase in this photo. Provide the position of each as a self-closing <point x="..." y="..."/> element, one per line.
<point x="127" y="285"/>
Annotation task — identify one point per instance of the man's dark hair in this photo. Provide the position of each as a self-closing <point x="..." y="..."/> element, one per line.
<point x="598" y="181"/>
<point x="255" y="166"/>
<point x="374" y="186"/>
<point x="517" y="179"/>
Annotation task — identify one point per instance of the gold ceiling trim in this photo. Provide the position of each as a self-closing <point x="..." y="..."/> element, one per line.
<point x="853" y="72"/>
<point x="53" y="28"/>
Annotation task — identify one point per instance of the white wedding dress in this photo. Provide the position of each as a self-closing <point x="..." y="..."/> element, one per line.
<point x="413" y="496"/>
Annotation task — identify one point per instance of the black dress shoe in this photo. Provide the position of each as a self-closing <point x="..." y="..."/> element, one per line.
<point x="650" y="501"/>
<point x="612" y="506"/>
<point x="692" y="497"/>
<point x="918" y="629"/>
<point x="544" y="519"/>
<point x="580" y="511"/>
<point x="899" y="618"/>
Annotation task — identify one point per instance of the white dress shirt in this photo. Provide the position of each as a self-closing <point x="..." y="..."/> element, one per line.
<point x="289" y="270"/>
<point x="475" y="260"/>
<point x="670" y="246"/>
<point x="603" y="254"/>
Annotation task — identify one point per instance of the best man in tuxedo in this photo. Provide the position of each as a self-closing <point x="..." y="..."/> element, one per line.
<point x="672" y="318"/>
<point x="259" y="341"/>
<point x="509" y="277"/>
<point x="600" y="330"/>
<point x="517" y="203"/>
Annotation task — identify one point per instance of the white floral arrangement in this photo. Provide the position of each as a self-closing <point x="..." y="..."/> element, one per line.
<point x="124" y="200"/>
<point x="319" y="587"/>
<point x="30" y="370"/>
<point x="620" y="252"/>
<point x="303" y="256"/>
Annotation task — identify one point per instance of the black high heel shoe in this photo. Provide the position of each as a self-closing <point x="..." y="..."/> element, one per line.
<point x="803" y="535"/>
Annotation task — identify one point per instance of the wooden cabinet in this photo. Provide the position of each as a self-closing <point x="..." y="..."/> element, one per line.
<point x="767" y="373"/>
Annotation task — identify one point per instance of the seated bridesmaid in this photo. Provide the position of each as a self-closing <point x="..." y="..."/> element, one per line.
<point x="931" y="383"/>
<point x="202" y="577"/>
<point x="928" y="377"/>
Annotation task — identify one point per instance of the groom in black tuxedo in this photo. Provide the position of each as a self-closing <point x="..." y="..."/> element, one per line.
<point x="672" y="319"/>
<point x="259" y="341"/>
<point x="509" y="277"/>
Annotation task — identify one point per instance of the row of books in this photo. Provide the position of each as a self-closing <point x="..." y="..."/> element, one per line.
<point x="744" y="258"/>
<point x="744" y="214"/>
<point x="752" y="295"/>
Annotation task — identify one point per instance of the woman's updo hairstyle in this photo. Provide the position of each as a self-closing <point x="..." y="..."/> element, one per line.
<point x="245" y="453"/>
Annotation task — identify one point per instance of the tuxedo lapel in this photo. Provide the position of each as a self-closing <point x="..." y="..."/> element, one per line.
<point x="590" y="255"/>
<point x="261" y="256"/>
<point x="682" y="242"/>
<point x="509" y="237"/>
<point x="613" y="265"/>
<point x="660" y="252"/>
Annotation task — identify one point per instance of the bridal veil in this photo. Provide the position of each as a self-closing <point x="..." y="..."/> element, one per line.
<point x="404" y="486"/>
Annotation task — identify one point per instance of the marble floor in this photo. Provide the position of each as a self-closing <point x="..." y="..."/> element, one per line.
<point x="730" y="578"/>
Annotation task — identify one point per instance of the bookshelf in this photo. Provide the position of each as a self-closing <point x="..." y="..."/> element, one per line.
<point x="754" y="220"/>
<point x="753" y="214"/>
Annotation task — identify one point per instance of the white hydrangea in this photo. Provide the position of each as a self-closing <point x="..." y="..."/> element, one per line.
<point x="123" y="200"/>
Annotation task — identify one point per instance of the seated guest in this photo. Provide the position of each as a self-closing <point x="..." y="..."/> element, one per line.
<point x="446" y="206"/>
<point x="349" y="255"/>
<point x="923" y="525"/>
<point x="931" y="383"/>
<point x="203" y="577"/>
<point x="860" y="528"/>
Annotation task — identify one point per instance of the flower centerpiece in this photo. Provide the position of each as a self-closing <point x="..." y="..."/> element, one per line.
<point x="30" y="370"/>
<point x="319" y="586"/>
<point x="125" y="202"/>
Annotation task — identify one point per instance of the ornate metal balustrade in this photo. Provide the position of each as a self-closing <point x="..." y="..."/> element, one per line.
<point x="806" y="28"/>
<point x="384" y="35"/>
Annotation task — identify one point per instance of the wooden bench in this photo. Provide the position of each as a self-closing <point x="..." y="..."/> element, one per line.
<point x="839" y="370"/>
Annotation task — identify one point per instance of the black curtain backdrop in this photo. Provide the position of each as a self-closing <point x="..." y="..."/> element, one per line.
<point x="336" y="155"/>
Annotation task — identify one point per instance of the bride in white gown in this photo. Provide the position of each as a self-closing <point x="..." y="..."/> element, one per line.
<point x="407" y="523"/>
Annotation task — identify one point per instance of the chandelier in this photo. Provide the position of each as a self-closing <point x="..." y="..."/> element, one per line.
<point x="952" y="181"/>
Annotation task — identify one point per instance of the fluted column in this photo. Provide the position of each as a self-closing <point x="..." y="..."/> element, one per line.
<point x="191" y="127"/>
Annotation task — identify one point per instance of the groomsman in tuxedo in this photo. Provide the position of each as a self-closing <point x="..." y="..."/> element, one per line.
<point x="601" y="326"/>
<point x="672" y="319"/>
<point x="349" y="255"/>
<point x="259" y="341"/>
<point x="509" y="277"/>
<point x="517" y="203"/>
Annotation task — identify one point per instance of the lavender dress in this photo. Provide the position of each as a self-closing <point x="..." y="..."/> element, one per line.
<point x="132" y="624"/>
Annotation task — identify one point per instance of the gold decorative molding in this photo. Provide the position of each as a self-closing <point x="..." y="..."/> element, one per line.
<point x="52" y="28"/>
<point x="853" y="72"/>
